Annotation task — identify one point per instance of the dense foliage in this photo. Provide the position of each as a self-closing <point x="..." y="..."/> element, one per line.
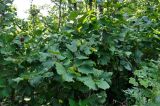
<point x="85" y="53"/>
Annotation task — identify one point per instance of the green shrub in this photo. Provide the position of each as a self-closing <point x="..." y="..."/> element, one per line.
<point x="83" y="57"/>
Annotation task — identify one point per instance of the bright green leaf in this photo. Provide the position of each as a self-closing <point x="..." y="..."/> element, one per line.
<point x="133" y="81"/>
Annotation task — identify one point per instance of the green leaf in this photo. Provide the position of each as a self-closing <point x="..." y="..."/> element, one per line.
<point x="156" y="31"/>
<point x="72" y="103"/>
<point x="103" y="60"/>
<point x="54" y="52"/>
<point x="2" y="82"/>
<point x="60" y="57"/>
<point x="138" y="55"/>
<point x="88" y="81"/>
<point x="102" y="97"/>
<point x="107" y="76"/>
<point x="157" y="99"/>
<point x="5" y="93"/>
<point x="112" y="49"/>
<point x="144" y="82"/>
<point x="89" y="63"/>
<point x="133" y="81"/>
<point x="60" y="69"/>
<point x="48" y="64"/>
<point x="73" y="1"/>
<point x="67" y="77"/>
<point x="83" y="102"/>
<point x="87" y="51"/>
<point x="1" y="44"/>
<point x="128" y="67"/>
<point x="47" y="74"/>
<point x="72" y="16"/>
<point x="81" y="57"/>
<point x="17" y="79"/>
<point x="10" y="59"/>
<point x="102" y="84"/>
<point x="35" y="80"/>
<point x="85" y="69"/>
<point x="43" y="56"/>
<point x="66" y="62"/>
<point x="72" y="47"/>
<point x="97" y="72"/>
<point x="128" y="53"/>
